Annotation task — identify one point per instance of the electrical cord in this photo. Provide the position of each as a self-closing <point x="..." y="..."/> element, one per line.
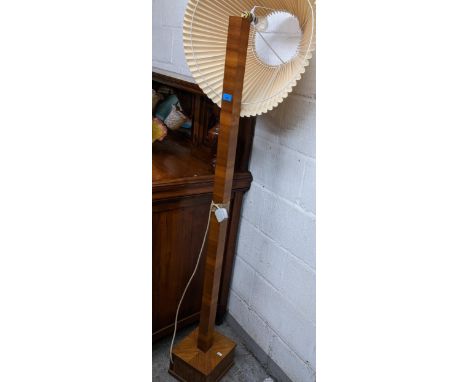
<point x="213" y="205"/>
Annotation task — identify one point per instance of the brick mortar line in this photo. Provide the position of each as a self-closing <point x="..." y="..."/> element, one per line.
<point x="311" y="99"/>
<point x="249" y="308"/>
<point x="287" y="201"/>
<point x="279" y="245"/>
<point x="304" y="156"/>
<point x="300" y="313"/>
<point x="303" y="263"/>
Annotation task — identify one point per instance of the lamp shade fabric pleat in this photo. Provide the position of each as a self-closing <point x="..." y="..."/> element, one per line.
<point x="265" y="86"/>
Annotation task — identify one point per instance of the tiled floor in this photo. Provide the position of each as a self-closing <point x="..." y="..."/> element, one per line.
<point x="246" y="368"/>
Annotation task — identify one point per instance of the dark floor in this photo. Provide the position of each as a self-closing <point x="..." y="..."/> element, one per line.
<point x="246" y="368"/>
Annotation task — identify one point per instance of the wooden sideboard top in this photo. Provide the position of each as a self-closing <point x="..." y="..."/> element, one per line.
<point x="174" y="159"/>
<point x="179" y="170"/>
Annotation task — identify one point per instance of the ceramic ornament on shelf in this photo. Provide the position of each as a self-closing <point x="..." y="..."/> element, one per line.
<point x="267" y="82"/>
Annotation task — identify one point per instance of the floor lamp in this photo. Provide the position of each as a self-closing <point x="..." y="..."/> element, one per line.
<point x="222" y="55"/>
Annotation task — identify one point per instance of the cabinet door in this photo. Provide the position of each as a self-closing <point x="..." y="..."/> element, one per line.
<point x="178" y="230"/>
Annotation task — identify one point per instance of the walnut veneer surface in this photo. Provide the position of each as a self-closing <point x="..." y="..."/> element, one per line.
<point x="173" y="159"/>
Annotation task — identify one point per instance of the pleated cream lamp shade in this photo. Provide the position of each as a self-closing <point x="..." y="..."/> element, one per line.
<point x="265" y="85"/>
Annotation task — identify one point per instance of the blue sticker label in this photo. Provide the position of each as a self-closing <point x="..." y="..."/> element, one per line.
<point x="227" y="97"/>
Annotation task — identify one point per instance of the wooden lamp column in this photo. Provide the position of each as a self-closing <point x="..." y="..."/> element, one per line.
<point x="206" y="355"/>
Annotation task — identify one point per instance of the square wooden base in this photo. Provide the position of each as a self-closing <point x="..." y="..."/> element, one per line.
<point x="193" y="365"/>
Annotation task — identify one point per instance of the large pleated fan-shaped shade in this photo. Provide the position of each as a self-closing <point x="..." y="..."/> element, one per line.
<point x="265" y="86"/>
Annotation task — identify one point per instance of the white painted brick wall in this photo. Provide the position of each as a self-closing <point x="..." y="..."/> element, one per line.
<point x="277" y="236"/>
<point x="168" y="49"/>
<point x="273" y="286"/>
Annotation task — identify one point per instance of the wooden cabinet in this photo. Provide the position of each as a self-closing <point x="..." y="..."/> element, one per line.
<point x="182" y="188"/>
